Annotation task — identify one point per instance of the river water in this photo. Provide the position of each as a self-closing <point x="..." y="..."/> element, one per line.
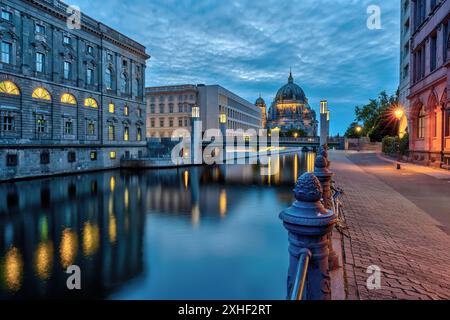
<point x="209" y="232"/>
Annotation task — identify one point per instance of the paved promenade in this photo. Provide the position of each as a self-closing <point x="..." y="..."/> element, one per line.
<point x="388" y="229"/>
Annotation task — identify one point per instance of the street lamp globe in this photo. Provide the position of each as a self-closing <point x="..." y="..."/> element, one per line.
<point x="195" y="112"/>
<point x="398" y="112"/>
<point x="358" y="129"/>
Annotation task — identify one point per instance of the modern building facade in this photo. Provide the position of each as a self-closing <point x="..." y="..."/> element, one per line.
<point x="429" y="108"/>
<point x="260" y="103"/>
<point x="169" y="108"/>
<point x="290" y="110"/>
<point x="405" y="63"/>
<point x="71" y="99"/>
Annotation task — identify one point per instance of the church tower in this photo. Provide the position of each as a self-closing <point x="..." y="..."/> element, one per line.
<point x="260" y="103"/>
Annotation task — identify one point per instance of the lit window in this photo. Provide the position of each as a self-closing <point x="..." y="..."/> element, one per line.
<point x="66" y="39"/>
<point x="108" y="79"/>
<point x="8" y="87"/>
<point x="6" y="52"/>
<point x="6" y="15"/>
<point x="126" y="134"/>
<point x="126" y="111"/>
<point x="93" y="155"/>
<point x="41" y="94"/>
<point x="41" y="124"/>
<point x="89" y="102"/>
<point x="112" y="108"/>
<point x="8" y="123"/>
<point x="139" y="134"/>
<point x="111" y="133"/>
<point x="40" y="59"/>
<point x="112" y="155"/>
<point x="421" y="124"/>
<point x="67" y="70"/>
<point x="40" y="28"/>
<point x="67" y="98"/>
<point x="90" y="49"/>
<point x="89" y="76"/>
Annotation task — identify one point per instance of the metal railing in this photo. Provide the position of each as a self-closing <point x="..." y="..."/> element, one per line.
<point x="302" y="272"/>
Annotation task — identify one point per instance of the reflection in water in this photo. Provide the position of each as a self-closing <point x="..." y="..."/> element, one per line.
<point x="100" y="222"/>
<point x="13" y="269"/>
<point x="44" y="259"/>
<point x="68" y="248"/>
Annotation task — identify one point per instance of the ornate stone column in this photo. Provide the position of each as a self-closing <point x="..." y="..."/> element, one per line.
<point x="308" y="224"/>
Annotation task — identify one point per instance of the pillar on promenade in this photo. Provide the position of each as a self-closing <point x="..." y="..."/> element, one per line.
<point x="324" y="122"/>
<point x="196" y="137"/>
<point x="309" y="224"/>
<point x="325" y="176"/>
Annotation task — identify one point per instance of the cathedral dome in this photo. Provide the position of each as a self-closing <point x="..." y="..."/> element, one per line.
<point x="260" y="101"/>
<point x="291" y="91"/>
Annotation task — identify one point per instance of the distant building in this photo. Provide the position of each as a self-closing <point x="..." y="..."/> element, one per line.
<point x="260" y="103"/>
<point x="405" y="63"/>
<point x="429" y="108"/>
<point x="169" y="108"/>
<point x="290" y="110"/>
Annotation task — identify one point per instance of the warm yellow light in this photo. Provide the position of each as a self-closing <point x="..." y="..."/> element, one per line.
<point x="112" y="155"/>
<point x="112" y="183"/>
<point x="41" y="94"/>
<point x="13" y="270"/>
<point x="223" y="118"/>
<point x="90" y="102"/>
<point x="91" y="239"/>
<point x="358" y="129"/>
<point x="111" y="108"/>
<point x="112" y="229"/>
<point x="296" y="135"/>
<point x="44" y="260"/>
<point x="9" y="87"/>
<point x="67" y="98"/>
<point x="195" y="112"/>
<point x="399" y="113"/>
<point x="68" y="248"/>
<point x="223" y="203"/>
<point x="186" y="179"/>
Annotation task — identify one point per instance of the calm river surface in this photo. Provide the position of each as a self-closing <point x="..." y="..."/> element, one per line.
<point x="190" y="233"/>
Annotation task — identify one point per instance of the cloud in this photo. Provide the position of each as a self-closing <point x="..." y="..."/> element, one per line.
<point x="249" y="46"/>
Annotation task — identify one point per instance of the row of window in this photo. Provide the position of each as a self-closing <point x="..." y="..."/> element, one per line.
<point x="419" y="56"/>
<point x="421" y="123"/>
<point x="12" y="159"/>
<point x="10" y="88"/>
<point x="40" y="58"/>
<point x="172" y="98"/>
<point x="126" y="133"/>
<point x="171" y="108"/>
<point x="420" y="11"/>
<point x="171" y="121"/>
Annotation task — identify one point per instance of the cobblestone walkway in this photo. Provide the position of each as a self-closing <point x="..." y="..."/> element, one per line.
<point x="389" y="231"/>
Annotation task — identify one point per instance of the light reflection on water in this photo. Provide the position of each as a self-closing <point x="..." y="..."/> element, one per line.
<point x="189" y="233"/>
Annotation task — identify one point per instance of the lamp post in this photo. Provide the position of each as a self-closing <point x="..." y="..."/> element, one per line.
<point x="196" y="147"/>
<point x="358" y="130"/>
<point x="398" y="113"/>
<point x="223" y="130"/>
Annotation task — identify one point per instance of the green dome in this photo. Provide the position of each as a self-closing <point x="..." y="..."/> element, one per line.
<point x="291" y="92"/>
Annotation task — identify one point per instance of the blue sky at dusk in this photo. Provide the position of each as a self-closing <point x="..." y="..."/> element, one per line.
<point x="249" y="46"/>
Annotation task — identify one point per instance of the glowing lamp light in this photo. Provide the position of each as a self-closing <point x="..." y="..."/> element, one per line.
<point x="296" y="135"/>
<point x="358" y="129"/>
<point x="195" y="112"/>
<point x="223" y="118"/>
<point x="399" y="113"/>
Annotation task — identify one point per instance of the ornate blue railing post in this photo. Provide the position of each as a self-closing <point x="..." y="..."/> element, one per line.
<point x="309" y="224"/>
<point x="323" y="173"/>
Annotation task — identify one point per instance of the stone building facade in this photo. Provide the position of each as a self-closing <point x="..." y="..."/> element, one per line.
<point x="169" y="108"/>
<point x="429" y="104"/>
<point x="405" y="63"/>
<point x="70" y="99"/>
<point x="260" y="103"/>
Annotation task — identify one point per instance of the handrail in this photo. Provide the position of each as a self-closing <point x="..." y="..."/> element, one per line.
<point x="302" y="271"/>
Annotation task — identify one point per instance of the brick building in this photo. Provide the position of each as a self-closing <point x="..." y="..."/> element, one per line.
<point x="71" y="99"/>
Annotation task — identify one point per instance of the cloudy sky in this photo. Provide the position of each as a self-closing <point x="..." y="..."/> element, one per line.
<point x="248" y="46"/>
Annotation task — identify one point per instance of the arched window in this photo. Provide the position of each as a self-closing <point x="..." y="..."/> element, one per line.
<point x="9" y="87"/>
<point x="123" y="83"/>
<point x="109" y="79"/>
<point x="89" y="102"/>
<point x="41" y="94"/>
<point x="421" y="123"/>
<point x="67" y="98"/>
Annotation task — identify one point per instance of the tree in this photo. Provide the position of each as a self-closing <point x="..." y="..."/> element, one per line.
<point x="376" y="117"/>
<point x="352" y="133"/>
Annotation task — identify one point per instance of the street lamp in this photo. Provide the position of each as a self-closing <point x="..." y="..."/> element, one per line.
<point x="195" y="112"/>
<point x="358" y="130"/>
<point x="398" y="113"/>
